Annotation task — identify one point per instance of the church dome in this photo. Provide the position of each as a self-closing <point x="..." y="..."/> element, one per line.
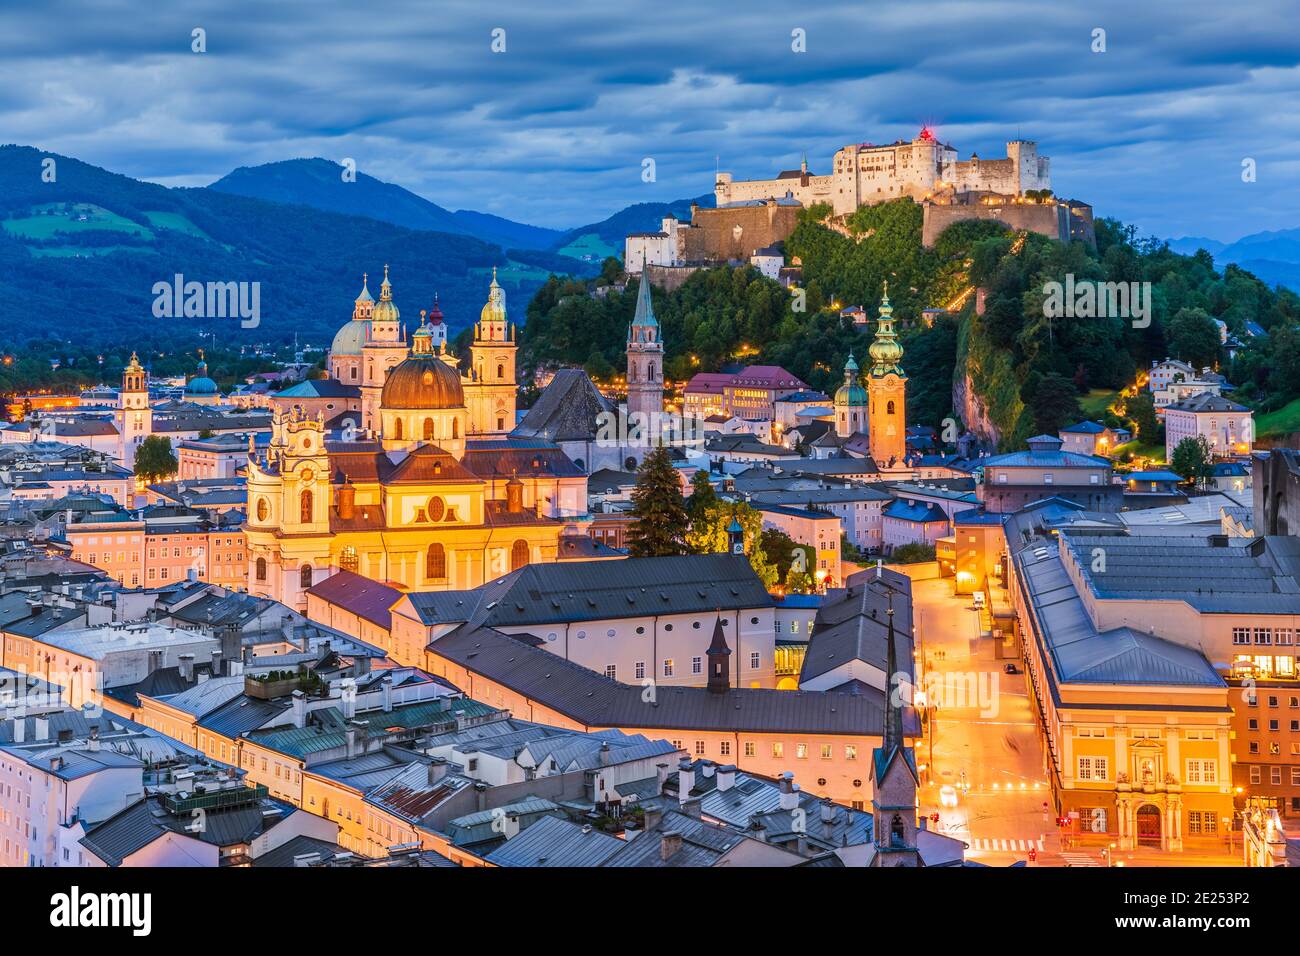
<point x="201" y="385"/>
<point x="422" y="381"/>
<point x="851" y="392"/>
<point x="349" y="339"/>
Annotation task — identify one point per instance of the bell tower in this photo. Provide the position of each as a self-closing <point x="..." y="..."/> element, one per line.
<point x="492" y="394"/>
<point x="384" y="346"/>
<point x="894" y="779"/>
<point x="134" y="415"/>
<point x="645" y="362"/>
<point x="887" y="392"/>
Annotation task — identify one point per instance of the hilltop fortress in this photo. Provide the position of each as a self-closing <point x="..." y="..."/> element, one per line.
<point x="863" y="174"/>
<point x="753" y="215"/>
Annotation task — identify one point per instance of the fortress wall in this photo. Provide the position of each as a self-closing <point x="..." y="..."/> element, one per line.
<point x="713" y="235"/>
<point x="1058" y="221"/>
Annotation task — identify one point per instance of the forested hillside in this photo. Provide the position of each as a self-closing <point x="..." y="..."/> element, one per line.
<point x="1015" y="371"/>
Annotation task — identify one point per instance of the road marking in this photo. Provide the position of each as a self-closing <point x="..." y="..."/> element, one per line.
<point x="1079" y="859"/>
<point x="993" y="845"/>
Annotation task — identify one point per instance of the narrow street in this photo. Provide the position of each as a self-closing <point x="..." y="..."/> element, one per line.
<point x="983" y="741"/>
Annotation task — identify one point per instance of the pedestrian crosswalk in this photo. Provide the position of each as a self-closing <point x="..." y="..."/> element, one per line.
<point x="1079" y="859"/>
<point x="989" y="845"/>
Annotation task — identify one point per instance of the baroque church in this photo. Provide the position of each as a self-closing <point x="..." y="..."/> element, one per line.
<point x="433" y="492"/>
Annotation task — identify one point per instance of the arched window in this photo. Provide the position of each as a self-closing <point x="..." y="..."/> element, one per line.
<point x="501" y="371"/>
<point x="455" y="428"/>
<point x="260" y="569"/>
<point x="435" y="563"/>
<point x="897" y="833"/>
<point x="518" y="555"/>
<point x="348" y="558"/>
<point x="889" y="409"/>
<point x="428" y="429"/>
<point x="304" y="576"/>
<point x="304" y="507"/>
<point x="650" y="370"/>
<point x="397" y="428"/>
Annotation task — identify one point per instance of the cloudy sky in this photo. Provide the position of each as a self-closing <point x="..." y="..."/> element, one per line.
<point x="554" y="129"/>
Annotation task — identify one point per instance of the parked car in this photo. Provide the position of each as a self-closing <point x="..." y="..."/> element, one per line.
<point x="1012" y="669"/>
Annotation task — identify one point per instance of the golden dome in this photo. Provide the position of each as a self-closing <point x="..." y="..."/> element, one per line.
<point x="385" y="310"/>
<point x="494" y="310"/>
<point x="422" y="382"/>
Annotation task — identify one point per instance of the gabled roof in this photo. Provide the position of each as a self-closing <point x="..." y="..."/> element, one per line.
<point x="567" y="592"/>
<point x="552" y="841"/>
<point x="365" y="597"/>
<point x="1205" y="402"/>
<point x="567" y="410"/>
<point x="852" y="624"/>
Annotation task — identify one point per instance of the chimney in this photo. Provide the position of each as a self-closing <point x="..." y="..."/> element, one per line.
<point x="692" y="808"/>
<point x="437" y="770"/>
<point x="685" y="780"/>
<point x="185" y="664"/>
<point x="514" y="496"/>
<point x="298" y="706"/>
<point x="192" y="575"/>
<point x="386" y="687"/>
<point x="355" y="740"/>
<point x="726" y="777"/>
<point x="661" y="775"/>
<point x="652" y="819"/>
<point x="216" y="663"/>
<point x="709" y="768"/>
<point x="669" y="844"/>
<point x="92" y="742"/>
<point x="789" y="791"/>
<point x="347" y="501"/>
<point x="827" y="811"/>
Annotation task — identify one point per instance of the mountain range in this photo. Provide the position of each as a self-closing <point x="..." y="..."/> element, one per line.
<point x="82" y="249"/>
<point x="1272" y="256"/>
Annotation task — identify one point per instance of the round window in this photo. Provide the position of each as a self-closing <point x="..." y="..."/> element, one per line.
<point x="263" y="510"/>
<point x="696" y="625"/>
<point x="306" y="442"/>
<point x="857" y="783"/>
<point x="640" y="630"/>
<point x="582" y="635"/>
<point x="436" y="508"/>
<point x="428" y="378"/>
<point x="821" y="781"/>
<point x="753" y="620"/>
<point x="668" y="627"/>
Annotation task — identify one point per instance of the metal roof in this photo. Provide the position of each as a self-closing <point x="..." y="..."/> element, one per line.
<point x="552" y="841"/>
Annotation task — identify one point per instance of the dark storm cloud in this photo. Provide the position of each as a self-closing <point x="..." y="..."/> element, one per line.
<point x="555" y="129"/>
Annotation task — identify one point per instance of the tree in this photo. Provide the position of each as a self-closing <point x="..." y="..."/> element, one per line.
<point x="708" y="535"/>
<point x="1054" y="401"/>
<point x="702" y="498"/>
<point x="1194" y="337"/>
<point x="799" y="576"/>
<point x="912" y="554"/>
<point x="1192" y="459"/>
<point x="779" y="548"/>
<point x="1141" y="411"/>
<point x="659" y="521"/>
<point x="154" y="459"/>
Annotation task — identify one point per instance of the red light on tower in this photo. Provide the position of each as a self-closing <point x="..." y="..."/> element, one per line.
<point x="926" y="134"/>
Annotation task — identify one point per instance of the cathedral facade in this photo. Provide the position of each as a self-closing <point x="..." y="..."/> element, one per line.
<point x="432" y="494"/>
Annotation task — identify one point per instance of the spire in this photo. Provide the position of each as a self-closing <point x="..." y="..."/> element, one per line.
<point x="645" y="310"/>
<point x="365" y="288"/>
<point x="886" y="352"/>
<point x="719" y="673"/>
<point x="893" y="739"/>
<point x="386" y="288"/>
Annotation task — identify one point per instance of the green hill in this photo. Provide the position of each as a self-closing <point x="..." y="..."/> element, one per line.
<point x="79" y="258"/>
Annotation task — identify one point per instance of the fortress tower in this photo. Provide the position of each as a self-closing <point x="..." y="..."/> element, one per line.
<point x="645" y="361"/>
<point x="887" y="392"/>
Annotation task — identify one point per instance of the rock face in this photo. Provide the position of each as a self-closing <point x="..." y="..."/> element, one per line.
<point x="973" y="412"/>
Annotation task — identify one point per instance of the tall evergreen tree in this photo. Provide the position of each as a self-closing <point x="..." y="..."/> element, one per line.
<point x="659" y="519"/>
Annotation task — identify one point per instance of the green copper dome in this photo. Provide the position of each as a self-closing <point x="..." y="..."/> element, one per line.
<point x="851" y="392"/>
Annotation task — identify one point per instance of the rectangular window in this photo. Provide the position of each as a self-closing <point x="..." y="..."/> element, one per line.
<point x="1255" y="775"/>
<point x="754" y="659"/>
<point x="778" y="750"/>
<point x="1202" y="771"/>
<point x="1241" y="635"/>
<point x="750" y="749"/>
<point x="1275" y="776"/>
<point x="668" y="667"/>
<point x="697" y="665"/>
<point x="850" y="752"/>
<point x="1093" y="768"/>
<point x="640" y="670"/>
<point x="724" y="748"/>
<point x="826" y="752"/>
<point x="611" y="671"/>
<point x="699" y="748"/>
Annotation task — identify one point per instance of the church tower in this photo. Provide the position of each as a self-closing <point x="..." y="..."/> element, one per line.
<point x="384" y="346"/>
<point x="645" y="363"/>
<point x="887" y="392"/>
<point x="134" y="415"/>
<point x="491" y="393"/>
<point x="894" y="779"/>
<point x="719" y="681"/>
<point x="850" y="402"/>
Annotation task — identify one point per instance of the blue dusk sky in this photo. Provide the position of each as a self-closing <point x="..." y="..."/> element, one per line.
<point x="553" y="130"/>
